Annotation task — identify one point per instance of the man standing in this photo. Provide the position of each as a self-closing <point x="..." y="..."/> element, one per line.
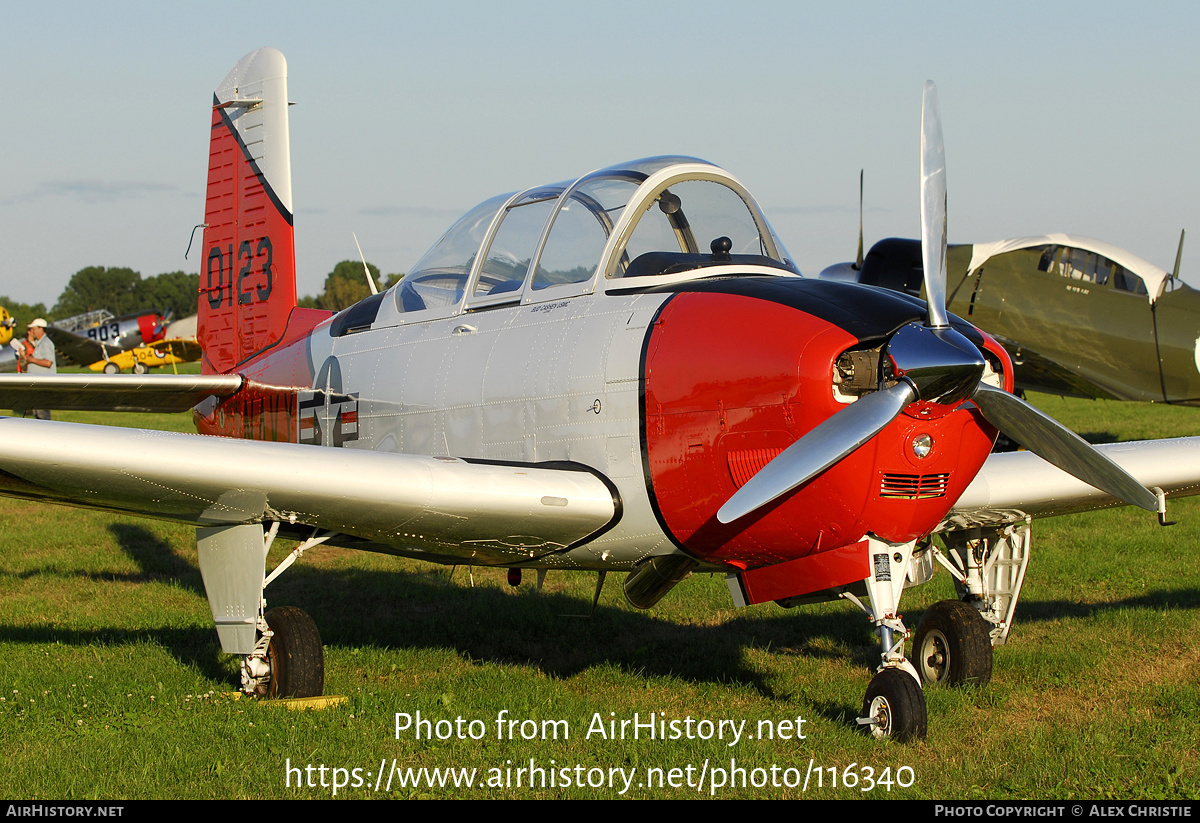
<point x="41" y="360"/>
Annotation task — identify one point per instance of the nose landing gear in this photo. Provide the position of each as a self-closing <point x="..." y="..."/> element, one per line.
<point x="894" y="707"/>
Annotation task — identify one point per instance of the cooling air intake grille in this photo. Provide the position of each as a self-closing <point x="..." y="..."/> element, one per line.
<point x="914" y="486"/>
<point x="745" y="463"/>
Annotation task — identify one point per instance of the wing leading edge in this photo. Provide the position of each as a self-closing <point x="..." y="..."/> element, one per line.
<point x="408" y="504"/>
<point x="115" y="392"/>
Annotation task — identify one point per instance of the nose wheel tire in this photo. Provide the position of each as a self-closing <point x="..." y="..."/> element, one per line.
<point x="894" y="707"/>
<point x="953" y="645"/>
<point x="295" y="655"/>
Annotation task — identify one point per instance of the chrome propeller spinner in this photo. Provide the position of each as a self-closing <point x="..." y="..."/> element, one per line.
<point x="933" y="363"/>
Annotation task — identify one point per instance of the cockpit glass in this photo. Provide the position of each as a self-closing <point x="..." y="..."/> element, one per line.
<point x="580" y="231"/>
<point x="1125" y="280"/>
<point x="684" y="219"/>
<point x="610" y="194"/>
<point x="513" y="246"/>
<point x="689" y="215"/>
<point x="440" y="276"/>
<point x="1080" y="264"/>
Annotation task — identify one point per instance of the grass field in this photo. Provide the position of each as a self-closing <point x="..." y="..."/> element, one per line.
<point x="112" y="684"/>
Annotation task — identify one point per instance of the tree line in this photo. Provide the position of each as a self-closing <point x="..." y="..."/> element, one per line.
<point x="120" y="290"/>
<point x="125" y="291"/>
<point x="346" y="285"/>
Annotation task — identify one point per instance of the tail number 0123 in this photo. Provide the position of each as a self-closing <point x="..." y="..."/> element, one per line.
<point x="221" y="279"/>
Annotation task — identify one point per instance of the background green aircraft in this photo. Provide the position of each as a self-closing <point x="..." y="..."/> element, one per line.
<point x="1080" y="317"/>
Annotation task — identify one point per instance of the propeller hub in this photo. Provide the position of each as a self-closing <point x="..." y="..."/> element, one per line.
<point x="943" y="366"/>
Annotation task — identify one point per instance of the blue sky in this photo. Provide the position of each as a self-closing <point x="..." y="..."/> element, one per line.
<point x="1077" y="117"/>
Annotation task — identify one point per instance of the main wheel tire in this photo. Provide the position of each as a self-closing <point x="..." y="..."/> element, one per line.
<point x="896" y="704"/>
<point x="139" y="367"/>
<point x="953" y="645"/>
<point x="295" y="654"/>
<point x="111" y="368"/>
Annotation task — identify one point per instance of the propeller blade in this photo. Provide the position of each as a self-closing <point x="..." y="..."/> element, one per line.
<point x="942" y="368"/>
<point x="839" y="436"/>
<point x="933" y="208"/>
<point x="1054" y="443"/>
<point x="858" y="264"/>
<point x="1174" y="272"/>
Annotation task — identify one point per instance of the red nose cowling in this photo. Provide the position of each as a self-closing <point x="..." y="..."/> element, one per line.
<point x="730" y="382"/>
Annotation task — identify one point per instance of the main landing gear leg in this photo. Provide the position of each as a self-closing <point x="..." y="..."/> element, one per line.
<point x="955" y="637"/>
<point x="988" y="566"/>
<point x="293" y="658"/>
<point x="282" y="649"/>
<point x="894" y="705"/>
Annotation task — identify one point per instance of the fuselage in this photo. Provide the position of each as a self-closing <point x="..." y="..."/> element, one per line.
<point x="1079" y="323"/>
<point x="676" y="394"/>
<point x="1078" y="316"/>
<point x="642" y="323"/>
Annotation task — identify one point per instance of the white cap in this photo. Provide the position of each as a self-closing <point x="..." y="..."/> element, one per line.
<point x="37" y="322"/>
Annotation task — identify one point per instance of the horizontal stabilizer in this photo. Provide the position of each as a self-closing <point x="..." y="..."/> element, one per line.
<point x="412" y="503"/>
<point x="115" y="392"/>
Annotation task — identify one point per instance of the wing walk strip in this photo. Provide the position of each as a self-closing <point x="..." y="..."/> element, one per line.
<point x="416" y="503"/>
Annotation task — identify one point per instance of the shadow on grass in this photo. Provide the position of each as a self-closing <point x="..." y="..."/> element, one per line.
<point x="155" y="558"/>
<point x="1029" y="611"/>
<point x="357" y="608"/>
<point x="545" y="629"/>
<point x="488" y="625"/>
<point x="1096" y="438"/>
<point x="370" y="608"/>
<point x="156" y="561"/>
<point x="196" y="646"/>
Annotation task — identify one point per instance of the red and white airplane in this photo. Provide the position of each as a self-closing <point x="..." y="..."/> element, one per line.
<point x="623" y="372"/>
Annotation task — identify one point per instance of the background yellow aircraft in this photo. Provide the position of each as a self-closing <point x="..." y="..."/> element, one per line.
<point x="139" y="359"/>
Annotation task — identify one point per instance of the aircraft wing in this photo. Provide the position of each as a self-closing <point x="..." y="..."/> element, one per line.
<point x="117" y="392"/>
<point x="185" y="348"/>
<point x="1015" y="485"/>
<point x="72" y="348"/>
<point x="409" y="504"/>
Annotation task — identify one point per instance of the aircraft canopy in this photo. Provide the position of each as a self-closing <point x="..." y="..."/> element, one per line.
<point x="1151" y="275"/>
<point x="653" y="218"/>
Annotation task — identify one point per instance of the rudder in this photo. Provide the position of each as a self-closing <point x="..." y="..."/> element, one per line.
<point x="248" y="286"/>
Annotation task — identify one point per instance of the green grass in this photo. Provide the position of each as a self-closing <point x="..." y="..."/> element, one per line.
<point x="114" y="686"/>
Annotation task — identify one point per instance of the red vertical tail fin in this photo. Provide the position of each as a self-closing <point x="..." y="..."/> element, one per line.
<point x="248" y="279"/>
